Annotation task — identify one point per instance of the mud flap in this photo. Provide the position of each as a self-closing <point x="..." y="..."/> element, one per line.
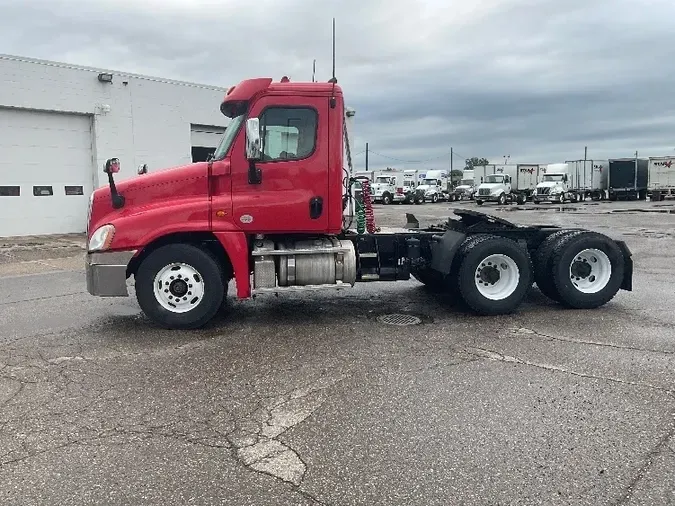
<point x="444" y="249"/>
<point x="627" y="283"/>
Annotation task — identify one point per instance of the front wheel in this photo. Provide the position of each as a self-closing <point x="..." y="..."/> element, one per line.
<point x="386" y="199"/>
<point x="494" y="274"/>
<point x="434" y="198"/>
<point x="180" y="286"/>
<point x="502" y="199"/>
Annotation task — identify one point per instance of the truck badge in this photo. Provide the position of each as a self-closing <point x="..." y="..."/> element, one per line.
<point x="246" y="218"/>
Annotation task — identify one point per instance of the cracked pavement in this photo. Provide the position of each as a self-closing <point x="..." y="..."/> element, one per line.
<point x="307" y="399"/>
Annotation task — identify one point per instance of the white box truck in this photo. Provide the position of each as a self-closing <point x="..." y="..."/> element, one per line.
<point x="506" y="183"/>
<point x="661" y="177"/>
<point x="410" y="183"/>
<point x="435" y="186"/>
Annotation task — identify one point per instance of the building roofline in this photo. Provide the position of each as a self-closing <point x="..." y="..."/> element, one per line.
<point x="71" y="66"/>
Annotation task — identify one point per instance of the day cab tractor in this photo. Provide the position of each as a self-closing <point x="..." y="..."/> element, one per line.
<point x="278" y="221"/>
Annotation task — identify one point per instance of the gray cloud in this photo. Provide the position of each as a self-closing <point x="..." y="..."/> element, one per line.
<point x="535" y="80"/>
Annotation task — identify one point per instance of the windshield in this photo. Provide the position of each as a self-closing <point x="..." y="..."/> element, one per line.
<point x="408" y="182"/>
<point x="382" y="179"/>
<point x="228" y="137"/>
<point x="552" y="177"/>
<point x="430" y="182"/>
<point x="466" y="182"/>
<point x="494" y="179"/>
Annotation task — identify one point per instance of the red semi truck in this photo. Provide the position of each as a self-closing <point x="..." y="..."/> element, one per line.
<point x="268" y="211"/>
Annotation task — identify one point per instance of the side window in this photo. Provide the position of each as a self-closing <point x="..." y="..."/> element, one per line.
<point x="288" y="133"/>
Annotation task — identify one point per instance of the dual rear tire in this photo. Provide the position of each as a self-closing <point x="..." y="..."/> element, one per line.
<point x="492" y="275"/>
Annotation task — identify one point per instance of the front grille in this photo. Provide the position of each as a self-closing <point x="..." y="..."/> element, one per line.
<point x="543" y="191"/>
<point x="484" y="191"/>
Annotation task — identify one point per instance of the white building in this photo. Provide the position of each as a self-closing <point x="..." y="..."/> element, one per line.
<point x="59" y="123"/>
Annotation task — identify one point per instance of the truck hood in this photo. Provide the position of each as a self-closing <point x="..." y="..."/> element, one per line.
<point x="491" y="186"/>
<point x="549" y="184"/>
<point x="426" y="187"/>
<point x="149" y="191"/>
<point x="463" y="187"/>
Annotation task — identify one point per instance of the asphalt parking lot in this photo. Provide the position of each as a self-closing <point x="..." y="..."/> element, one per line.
<point x="311" y="399"/>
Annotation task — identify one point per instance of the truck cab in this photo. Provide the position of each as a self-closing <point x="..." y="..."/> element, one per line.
<point x="494" y="188"/>
<point x="553" y="187"/>
<point x="465" y="189"/>
<point x="434" y="185"/>
<point x="385" y="188"/>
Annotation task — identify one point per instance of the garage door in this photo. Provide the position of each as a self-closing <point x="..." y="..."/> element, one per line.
<point x="204" y="140"/>
<point x="46" y="172"/>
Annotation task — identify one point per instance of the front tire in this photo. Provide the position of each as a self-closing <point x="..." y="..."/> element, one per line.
<point x="192" y="286"/>
<point x="386" y="199"/>
<point x="502" y="199"/>
<point x="494" y="274"/>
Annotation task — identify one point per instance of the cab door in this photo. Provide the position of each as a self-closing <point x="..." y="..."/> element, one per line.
<point x="291" y="194"/>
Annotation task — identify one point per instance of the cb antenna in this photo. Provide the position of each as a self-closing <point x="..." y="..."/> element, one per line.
<point x="333" y="79"/>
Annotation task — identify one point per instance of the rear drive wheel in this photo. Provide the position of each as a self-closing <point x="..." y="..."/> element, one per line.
<point x="493" y="275"/>
<point x="521" y="199"/>
<point x="479" y="202"/>
<point x="542" y="264"/>
<point x="433" y="281"/>
<point x="180" y="286"/>
<point x="587" y="269"/>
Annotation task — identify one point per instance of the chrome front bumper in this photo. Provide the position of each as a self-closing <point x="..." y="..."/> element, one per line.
<point x="107" y="273"/>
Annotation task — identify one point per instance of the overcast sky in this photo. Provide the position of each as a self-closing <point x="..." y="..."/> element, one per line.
<point x="534" y="79"/>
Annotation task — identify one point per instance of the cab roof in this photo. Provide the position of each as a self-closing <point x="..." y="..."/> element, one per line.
<point x="248" y="88"/>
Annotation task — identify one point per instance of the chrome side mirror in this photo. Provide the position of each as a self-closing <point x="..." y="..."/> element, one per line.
<point x="253" y="147"/>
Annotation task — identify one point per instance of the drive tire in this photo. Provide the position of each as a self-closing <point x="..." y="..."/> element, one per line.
<point x="210" y="276"/>
<point x="605" y="259"/>
<point x="543" y="267"/>
<point x="521" y="199"/>
<point x="433" y="281"/>
<point x="479" y="202"/>
<point x="474" y="254"/>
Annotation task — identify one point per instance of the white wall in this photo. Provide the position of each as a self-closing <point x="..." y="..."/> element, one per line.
<point x="149" y="118"/>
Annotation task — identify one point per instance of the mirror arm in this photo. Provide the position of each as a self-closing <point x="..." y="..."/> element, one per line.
<point x="117" y="198"/>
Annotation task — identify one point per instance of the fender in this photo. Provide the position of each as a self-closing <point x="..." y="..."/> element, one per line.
<point x="443" y="250"/>
<point x="236" y="247"/>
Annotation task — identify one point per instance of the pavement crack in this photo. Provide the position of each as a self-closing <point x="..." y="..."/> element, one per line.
<point x="499" y="357"/>
<point x="525" y="330"/>
<point x="662" y="446"/>
<point x="255" y="438"/>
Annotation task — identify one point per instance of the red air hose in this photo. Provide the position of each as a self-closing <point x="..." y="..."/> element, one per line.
<point x="368" y="204"/>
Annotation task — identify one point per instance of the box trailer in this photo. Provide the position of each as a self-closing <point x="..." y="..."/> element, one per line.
<point x="661" y="177"/>
<point x="628" y="178"/>
<point x="589" y="178"/>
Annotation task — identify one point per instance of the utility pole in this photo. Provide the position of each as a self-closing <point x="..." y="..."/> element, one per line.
<point x="313" y="70"/>
<point x="636" y="171"/>
<point x="585" y="154"/>
<point x="451" y="157"/>
<point x="366" y="157"/>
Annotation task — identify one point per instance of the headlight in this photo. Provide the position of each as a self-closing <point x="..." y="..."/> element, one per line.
<point x="101" y="239"/>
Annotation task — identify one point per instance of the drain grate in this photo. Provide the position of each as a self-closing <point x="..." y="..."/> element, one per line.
<point x="399" y="319"/>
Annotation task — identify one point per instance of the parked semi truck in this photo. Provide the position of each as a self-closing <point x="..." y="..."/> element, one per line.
<point x="385" y="184"/>
<point x="506" y="183"/>
<point x="410" y="187"/>
<point x="661" y="177"/>
<point x="435" y="186"/>
<point x="628" y="179"/>
<point x="185" y="233"/>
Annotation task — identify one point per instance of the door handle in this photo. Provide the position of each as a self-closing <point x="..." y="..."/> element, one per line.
<point x="315" y="207"/>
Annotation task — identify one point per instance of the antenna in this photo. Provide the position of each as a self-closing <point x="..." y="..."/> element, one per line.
<point x="313" y="70"/>
<point x="333" y="79"/>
